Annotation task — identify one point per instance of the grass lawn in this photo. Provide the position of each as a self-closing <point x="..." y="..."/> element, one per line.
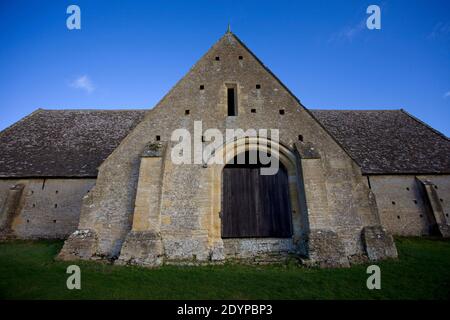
<point x="28" y="271"/>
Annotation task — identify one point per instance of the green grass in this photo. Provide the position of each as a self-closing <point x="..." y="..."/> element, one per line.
<point x="28" y="271"/>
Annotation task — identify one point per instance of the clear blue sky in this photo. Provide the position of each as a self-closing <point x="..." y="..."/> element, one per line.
<point x="128" y="54"/>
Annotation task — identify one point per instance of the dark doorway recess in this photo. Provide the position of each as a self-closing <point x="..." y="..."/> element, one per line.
<point x="255" y="205"/>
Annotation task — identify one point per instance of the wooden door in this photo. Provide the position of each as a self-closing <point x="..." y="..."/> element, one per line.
<point x="255" y="205"/>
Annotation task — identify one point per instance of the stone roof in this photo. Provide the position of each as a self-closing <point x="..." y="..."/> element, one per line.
<point x="63" y="143"/>
<point x="73" y="143"/>
<point x="388" y="141"/>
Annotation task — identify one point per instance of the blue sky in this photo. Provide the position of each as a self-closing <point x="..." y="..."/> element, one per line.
<point x="128" y="54"/>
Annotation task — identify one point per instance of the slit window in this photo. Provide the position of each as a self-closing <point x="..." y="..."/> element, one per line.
<point x="202" y="87"/>
<point x="253" y="110"/>
<point x="240" y="57"/>
<point x="232" y="101"/>
<point x="258" y="86"/>
<point x="217" y="58"/>
<point x="158" y="138"/>
<point x="281" y="111"/>
<point x="187" y="112"/>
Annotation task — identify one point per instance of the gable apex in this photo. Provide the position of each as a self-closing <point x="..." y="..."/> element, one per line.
<point x="232" y="39"/>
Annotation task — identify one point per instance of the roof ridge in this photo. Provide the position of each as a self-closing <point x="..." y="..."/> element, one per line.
<point x="425" y="124"/>
<point x="266" y="68"/>
<point x="356" y="110"/>
<point x="20" y="121"/>
<point x="87" y="109"/>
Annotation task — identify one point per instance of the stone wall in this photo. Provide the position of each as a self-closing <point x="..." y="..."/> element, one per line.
<point x="331" y="193"/>
<point x="258" y="249"/>
<point x="46" y="208"/>
<point x="402" y="202"/>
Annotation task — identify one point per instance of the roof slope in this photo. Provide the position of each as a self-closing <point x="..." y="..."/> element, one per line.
<point x="388" y="141"/>
<point x="63" y="143"/>
<point x="73" y="143"/>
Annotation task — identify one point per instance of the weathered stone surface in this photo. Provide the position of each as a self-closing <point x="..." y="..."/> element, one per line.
<point x="306" y="150"/>
<point x="80" y="245"/>
<point x="142" y="248"/>
<point x="10" y="209"/>
<point x="182" y="248"/>
<point x="444" y="230"/>
<point x="46" y="208"/>
<point x="217" y="253"/>
<point x="326" y="249"/>
<point x="435" y="210"/>
<point x="257" y="247"/>
<point x="378" y="243"/>
<point x="403" y="203"/>
<point x="153" y="149"/>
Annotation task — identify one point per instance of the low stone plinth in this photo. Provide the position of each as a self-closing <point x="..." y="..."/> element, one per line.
<point x="142" y="248"/>
<point x="80" y="245"/>
<point x="326" y="250"/>
<point x="378" y="243"/>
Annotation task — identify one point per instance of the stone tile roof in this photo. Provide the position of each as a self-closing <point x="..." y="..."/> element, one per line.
<point x="388" y="141"/>
<point x="73" y="143"/>
<point x="63" y="143"/>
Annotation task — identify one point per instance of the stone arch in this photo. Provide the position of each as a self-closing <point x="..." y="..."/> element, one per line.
<point x="285" y="155"/>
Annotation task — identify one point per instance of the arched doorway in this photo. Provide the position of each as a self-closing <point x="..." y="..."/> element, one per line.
<point x="255" y="205"/>
<point x="246" y="247"/>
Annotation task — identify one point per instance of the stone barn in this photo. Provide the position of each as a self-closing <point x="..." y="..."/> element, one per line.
<point x="106" y="180"/>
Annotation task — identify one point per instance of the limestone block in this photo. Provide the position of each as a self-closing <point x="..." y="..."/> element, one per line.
<point x="182" y="248"/>
<point x="142" y="248"/>
<point x="217" y="253"/>
<point x="436" y="208"/>
<point x="153" y="149"/>
<point x="10" y="209"/>
<point x="444" y="230"/>
<point x="326" y="249"/>
<point x="80" y="245"/>
<point x="246" y="248"/>
<point x="378" y="243"/>
<point x="307" y="150"/>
